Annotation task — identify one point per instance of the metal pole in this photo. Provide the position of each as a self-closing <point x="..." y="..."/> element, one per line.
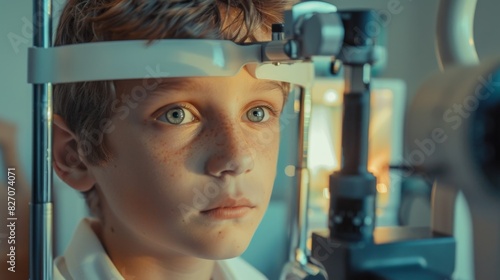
<point x="299" y="230"/>
<point x="41" y="204"/>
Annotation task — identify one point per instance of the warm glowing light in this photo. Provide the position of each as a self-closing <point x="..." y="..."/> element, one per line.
<point x="382" y="188"/>
<point x="331" y="96"/>
<point x="309" y="243"/>
<point x="296" y="106"/>
<point x="326" y="193"/>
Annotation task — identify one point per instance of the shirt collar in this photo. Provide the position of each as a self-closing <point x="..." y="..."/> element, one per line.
<point x="86" y="258"/>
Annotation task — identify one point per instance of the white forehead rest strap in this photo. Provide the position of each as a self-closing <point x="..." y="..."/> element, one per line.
<point x="136" y="59"/>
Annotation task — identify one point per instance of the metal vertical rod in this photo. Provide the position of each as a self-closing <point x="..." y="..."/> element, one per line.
<point x="41" y="204"/>
<point x="356" y="120"/>
<point x="299" y="224"/>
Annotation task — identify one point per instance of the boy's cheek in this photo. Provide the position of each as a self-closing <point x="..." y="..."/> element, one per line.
<point x="266" y="138"/>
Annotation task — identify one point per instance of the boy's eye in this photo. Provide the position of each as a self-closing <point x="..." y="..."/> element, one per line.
<point x="258" y="114"/>
<point x="177" y="115"/>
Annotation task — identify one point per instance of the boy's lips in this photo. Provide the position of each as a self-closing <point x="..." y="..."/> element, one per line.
<point x="229" y="208"/>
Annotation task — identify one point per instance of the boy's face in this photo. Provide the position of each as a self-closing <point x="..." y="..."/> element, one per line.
<point x="193" y="165"/>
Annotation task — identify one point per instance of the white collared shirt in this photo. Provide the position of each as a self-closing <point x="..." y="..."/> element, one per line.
<point x="86" y="259"/>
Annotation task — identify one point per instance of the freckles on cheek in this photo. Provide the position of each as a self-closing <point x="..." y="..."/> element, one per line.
<point x="267" y="149"/>
<point x="158" y="157"/>
<point x="167" y="156"/>
<point x="265" y="137"/>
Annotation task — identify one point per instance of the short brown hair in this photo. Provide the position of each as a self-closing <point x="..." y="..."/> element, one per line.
<point x="84" y="105"/>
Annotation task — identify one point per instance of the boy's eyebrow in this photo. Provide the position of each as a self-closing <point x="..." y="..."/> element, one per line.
<point x="177" y="84"/>
<point x="268" y="85"/>
<point x="173" y="84"/>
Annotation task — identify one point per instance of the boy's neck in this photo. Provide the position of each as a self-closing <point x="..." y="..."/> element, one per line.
<point x="135" y="264"/>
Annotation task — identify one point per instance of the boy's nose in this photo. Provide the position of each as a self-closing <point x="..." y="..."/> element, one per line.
<point x="231" y="153"/>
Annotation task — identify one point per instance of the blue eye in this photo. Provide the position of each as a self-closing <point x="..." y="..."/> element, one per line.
<point x="177" y="115"/>
<point x="258" y="114"/>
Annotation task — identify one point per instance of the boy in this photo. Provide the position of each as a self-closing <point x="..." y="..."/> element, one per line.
<point x="179" y="180"/>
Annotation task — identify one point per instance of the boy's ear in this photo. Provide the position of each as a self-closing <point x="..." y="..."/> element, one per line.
<point x="67" y="162"/>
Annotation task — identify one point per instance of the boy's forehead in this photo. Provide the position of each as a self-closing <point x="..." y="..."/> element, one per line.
<point x="197" y="83"/>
